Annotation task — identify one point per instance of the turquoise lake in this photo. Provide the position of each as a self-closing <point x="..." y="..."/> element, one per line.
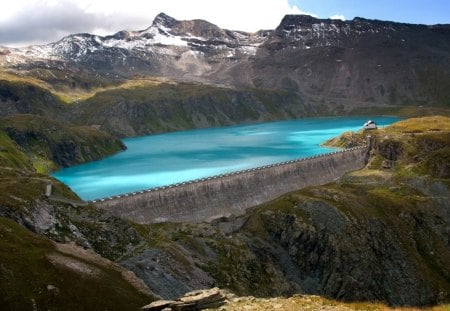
<point x="159" y="160"/>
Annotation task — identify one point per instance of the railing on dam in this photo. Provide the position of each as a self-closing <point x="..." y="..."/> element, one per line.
<point x="232" y="193"/>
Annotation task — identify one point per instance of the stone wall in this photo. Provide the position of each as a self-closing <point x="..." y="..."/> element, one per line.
<point x="223" y="195"/>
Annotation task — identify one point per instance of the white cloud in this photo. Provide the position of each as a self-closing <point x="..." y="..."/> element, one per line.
<point x="31" y="21"/>
<point x="338" y="16"/>
<point x="248" y="15"/>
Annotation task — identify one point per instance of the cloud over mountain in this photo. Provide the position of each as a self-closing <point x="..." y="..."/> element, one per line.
<point x="36" y="22"/>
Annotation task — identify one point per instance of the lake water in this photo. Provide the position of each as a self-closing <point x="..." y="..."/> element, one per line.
<point x="159" y="160"/>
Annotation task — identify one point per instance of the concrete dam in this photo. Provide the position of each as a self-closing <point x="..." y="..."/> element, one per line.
<point x="223" y="195"/>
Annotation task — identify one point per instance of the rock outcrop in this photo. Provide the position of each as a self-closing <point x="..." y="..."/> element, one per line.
<point x="196" y="300"/>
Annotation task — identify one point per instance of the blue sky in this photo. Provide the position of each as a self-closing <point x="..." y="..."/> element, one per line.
<point x="409" y="11"/>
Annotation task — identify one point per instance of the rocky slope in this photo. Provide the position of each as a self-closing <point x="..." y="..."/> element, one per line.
<point x="366" y="62"/>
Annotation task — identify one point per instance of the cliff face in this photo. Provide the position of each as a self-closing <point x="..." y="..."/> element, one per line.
<point x="351" y="241"/>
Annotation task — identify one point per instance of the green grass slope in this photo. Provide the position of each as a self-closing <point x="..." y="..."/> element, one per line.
<point x="51" y="144"/>
<point x="36" y="275"/>
<point x="10" y="155"/>
<point x="18" y="97"/>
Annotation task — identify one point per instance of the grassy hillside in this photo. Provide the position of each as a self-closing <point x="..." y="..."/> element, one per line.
<point x="10" y="155"/>
<point x="67" y="85"/>
<point x="307" y="302"/>
<point x="412" y="146"/>
<point x="39" y="275"/>
<point x="18" y="97"/>
<point x="51" y="144"/>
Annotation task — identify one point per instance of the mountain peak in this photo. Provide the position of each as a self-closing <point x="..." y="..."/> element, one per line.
<point x="291" y="21"/>
<point x="164" y="20"/>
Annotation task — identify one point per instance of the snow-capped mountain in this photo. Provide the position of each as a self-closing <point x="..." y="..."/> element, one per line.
<point x="168" y="45"/>
<point x="332" y="61"/>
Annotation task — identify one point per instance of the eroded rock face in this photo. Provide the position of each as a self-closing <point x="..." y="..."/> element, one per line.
<point x="162" y="271"/>
<point x="348" y="266"/>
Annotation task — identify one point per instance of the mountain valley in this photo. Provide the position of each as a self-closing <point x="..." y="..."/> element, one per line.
<point x="376" y="238"/>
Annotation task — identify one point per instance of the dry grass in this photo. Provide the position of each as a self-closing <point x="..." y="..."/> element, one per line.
<point x="310" y="302"/>
<point x="71" y="95"/>
<point x="419" y="125"/>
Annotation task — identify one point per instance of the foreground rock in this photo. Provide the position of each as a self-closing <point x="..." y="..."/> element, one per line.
<point x="195" y="300"/>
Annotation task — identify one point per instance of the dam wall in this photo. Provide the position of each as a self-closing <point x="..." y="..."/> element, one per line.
<point x="223" y="195"/>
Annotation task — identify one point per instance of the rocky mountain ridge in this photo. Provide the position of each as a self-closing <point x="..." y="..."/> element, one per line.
<point x="187" y="44"/>
<point x="337" y="63"/>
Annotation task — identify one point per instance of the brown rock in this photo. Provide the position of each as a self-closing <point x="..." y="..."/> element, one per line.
<point x="201" y="299"/>
<point x="195" y="300"/>
<point x="158" y="305"/>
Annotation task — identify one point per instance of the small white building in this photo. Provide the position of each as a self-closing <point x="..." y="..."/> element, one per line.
<point x="370" y="125"/>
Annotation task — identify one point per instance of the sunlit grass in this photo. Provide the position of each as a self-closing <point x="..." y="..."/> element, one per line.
<point x="416" y="125"/>
<point x="11" y="76"/>
<point x="71" y="95"/>
<point x="312" y="302"/>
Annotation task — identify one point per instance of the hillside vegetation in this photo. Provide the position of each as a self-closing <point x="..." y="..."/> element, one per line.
<point x="146" y="105"/>
<point x="38" y="274"/>
<point x="51" y="144"/>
